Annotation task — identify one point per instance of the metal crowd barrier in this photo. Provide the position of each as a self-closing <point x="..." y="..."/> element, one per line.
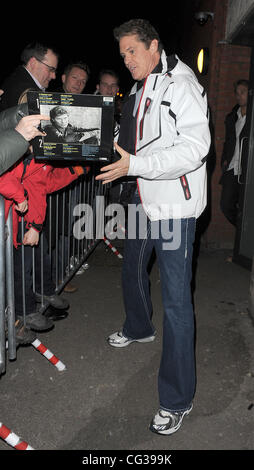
<point x="7" y="309"/>
<point x="66" y="252"/>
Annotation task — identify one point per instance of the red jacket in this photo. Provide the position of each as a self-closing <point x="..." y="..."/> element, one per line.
<point x="34" y="181"/>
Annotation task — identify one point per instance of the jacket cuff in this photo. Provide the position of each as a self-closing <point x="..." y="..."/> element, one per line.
<point x="20" y="199"/>
<point x="135" y="167"/>
<point x="37" y="227"/>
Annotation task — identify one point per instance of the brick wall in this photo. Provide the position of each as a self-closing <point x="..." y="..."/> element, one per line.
<point x="228" y="63"/>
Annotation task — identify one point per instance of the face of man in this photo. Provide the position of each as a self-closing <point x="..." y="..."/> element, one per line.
<point x="108" y="85"/>
<point x="61" y="121"/>
<point x="139" y="60"/>
<point x="75" y="81"/>
<point x="44" y="70"/>
<point x="242" y="95"/>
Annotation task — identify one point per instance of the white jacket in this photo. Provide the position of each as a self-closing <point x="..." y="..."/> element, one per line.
<point x="172" y="141"/>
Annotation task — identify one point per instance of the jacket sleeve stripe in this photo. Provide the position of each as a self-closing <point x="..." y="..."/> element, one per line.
<point x="186" y="188"/>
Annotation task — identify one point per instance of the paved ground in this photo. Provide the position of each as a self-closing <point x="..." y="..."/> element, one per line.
<point x="106" y="398"/>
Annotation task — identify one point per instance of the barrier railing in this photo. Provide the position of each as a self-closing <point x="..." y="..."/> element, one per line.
<point x="64" y="252"/>
<point x="2" y="287"/>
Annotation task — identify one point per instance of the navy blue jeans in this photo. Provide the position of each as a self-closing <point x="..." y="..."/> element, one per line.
<point x="177" y="377"/>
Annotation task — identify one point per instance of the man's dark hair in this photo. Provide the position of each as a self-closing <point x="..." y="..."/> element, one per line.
<point x="37" y="50"/>
<point x="57" y="111"/>
<point x="241" y="82"/>
<point x="110" y="72"/>
<point x="142" y="28"/>
<point x="79" y="65"/>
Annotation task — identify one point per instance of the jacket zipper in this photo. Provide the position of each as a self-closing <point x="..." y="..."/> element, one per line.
<point x="25" y="175"/>
<point x="183" y="179"/>
<point x="137" y="130"/>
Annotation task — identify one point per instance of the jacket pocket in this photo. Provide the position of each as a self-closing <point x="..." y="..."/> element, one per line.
<point x="141" y="124"/>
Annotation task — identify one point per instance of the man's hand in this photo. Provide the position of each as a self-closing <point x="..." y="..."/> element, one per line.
<point x="22" y="206"/>
<point x="31" y="237"/>
<point x="115" y="170"/>
<point x="28" y="126"/>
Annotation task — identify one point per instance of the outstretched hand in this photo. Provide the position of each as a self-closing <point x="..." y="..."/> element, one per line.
<point x="28" y="126"/>
<point x="115" y="170"/>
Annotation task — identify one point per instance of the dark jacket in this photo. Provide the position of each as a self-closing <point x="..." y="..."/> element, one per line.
<point x="14" y="85"/>
<point x="12" y="143"/>
<point x="230" y="138"/>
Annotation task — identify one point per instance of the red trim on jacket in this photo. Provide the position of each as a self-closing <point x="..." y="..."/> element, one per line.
<point x="137" y="128"/>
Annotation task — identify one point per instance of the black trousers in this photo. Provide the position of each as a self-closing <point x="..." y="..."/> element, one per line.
<point x="48" y="285"/>
<point x="230" y="196"/>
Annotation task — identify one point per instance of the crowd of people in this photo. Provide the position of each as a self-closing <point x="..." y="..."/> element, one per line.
<point x="26" y="184"/>
<point x="162" y="143"/>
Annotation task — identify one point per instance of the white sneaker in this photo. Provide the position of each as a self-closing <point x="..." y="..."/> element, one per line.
<point x="118" y="340"/>
<point x="168" y="422"/>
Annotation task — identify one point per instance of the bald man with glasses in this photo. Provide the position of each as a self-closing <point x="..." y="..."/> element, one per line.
<point x="39" y="66"/>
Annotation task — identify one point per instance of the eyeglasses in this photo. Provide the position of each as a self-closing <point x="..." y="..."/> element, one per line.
<point x="52" y="69"/>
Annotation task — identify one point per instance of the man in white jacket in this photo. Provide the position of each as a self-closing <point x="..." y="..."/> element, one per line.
<point x="164" y="140"/>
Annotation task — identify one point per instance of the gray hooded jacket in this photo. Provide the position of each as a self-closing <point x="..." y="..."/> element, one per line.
<point x="12" y="144"/>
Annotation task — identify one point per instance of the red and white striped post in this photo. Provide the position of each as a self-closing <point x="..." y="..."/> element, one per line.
<point x="12" y="439"/>
<point x="49" y="355"/>
<point x="112" y="248"/>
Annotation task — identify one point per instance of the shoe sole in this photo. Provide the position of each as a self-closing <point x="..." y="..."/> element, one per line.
<point x="167" y="432"/>
<point x="149" y="339"/>
<point x="56" y="317"/>
<point x="34" y="328"/>
<point x="24" y="343"/>
<point x="40" y="328"/>
<point x="30" y="325"/>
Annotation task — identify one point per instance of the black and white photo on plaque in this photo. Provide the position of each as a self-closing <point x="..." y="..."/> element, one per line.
<point x="80" y="126"/>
